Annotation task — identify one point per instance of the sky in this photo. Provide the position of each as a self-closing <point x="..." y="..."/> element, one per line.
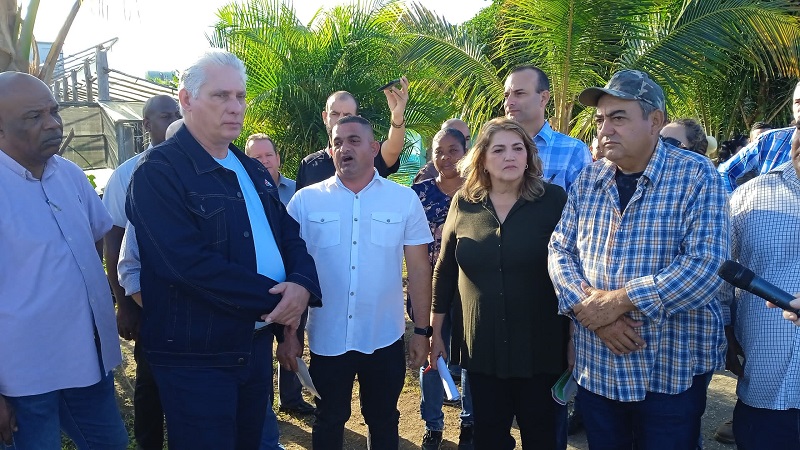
<point x="166" y="35"/>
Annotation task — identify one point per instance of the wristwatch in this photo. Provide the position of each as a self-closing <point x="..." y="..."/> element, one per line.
<point x="427" y="331"/>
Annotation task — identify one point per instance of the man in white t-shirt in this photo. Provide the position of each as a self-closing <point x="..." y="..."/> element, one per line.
<point x="357" y="227"/>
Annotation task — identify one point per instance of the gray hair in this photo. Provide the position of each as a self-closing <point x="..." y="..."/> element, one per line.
<point x="193" y="78"/>
<point x="647" y="109"/>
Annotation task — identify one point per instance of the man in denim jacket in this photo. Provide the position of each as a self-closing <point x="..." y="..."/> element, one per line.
<point x="219" y="253"/>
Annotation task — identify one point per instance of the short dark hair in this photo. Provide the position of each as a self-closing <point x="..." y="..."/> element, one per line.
<point x="353" y="119"/>
<point x="761" y="126"/>
<point x="544" y="82"/>
<point x="148" y="105"/>
<point x="459" y="136"/>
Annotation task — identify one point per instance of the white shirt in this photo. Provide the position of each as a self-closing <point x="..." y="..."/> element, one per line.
<point x="53" y="291"/>
<point x="117" y="190"/>
<point x="357" y="243"/>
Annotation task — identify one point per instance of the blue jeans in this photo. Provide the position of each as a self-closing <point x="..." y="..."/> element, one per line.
<point x="660" y="421"/>
<point x="217" y="407"/>
<point x="270" y="434"/>
<point x="430" y="407"/>
<point x="432" y="389"/>
<point x="757" y="428"/>
<point x="88" y="415"/>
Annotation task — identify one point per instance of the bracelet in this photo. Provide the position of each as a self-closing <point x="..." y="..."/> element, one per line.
<point x="398" y="125"/>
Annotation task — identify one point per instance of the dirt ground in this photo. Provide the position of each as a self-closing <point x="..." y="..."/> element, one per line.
<point x="296" y="431"/>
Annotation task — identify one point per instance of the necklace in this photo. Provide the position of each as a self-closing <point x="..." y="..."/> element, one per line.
<point x="446" y="192"/>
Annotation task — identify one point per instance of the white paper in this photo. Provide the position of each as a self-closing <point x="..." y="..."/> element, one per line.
<point x="305" y="377"/>
<point x="450" y="388"/>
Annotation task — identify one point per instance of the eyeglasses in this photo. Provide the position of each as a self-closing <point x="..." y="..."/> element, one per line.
<point x="672" y="141"/>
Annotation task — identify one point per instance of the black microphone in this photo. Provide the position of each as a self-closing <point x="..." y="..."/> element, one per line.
<point x="744" y="278"/>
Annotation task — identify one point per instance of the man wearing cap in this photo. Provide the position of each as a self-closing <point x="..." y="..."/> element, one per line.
<point x="633" y="261"/>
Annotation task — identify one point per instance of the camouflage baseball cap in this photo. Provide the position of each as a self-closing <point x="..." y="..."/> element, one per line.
<point x="627" y="85"/>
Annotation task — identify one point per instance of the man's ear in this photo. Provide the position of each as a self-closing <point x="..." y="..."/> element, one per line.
<point x="656" y="121"/>
<point x="185" y="100"/>
<point x="545" y="98"/>
<point x="376" y="147"/>
<point x="324" y="116"/>
<point x="146" y="124"/>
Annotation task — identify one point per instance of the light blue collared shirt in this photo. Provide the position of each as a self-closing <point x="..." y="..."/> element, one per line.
<point x="770" y="150"/>
<point x="563" y="157"/>
<point x="286" y="188"/>
<point x="53" y="288"/>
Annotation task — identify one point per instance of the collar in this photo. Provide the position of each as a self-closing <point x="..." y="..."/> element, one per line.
<point x="546" y="133"/>
<point x="49" y="168"/>
<point x="335" y="180"/>
<point x="652" y="173"/>
<point x="202" y="161"/>
<point x="787" y="172"/>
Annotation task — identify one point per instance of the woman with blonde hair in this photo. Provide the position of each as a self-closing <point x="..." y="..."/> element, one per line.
<point x="512" y="342"/>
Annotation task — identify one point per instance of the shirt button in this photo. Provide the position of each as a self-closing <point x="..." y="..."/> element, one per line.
<point x="354" y="267"/>
<point x="322" y="220"/>
<point x="240" y="361"/>
<point x="239" y="194"/>
<point x="356" y="196"/>
<point x="352" y="294"/>
<point x="355" y="219"/>
<point x="354" y="242"/>
<point x="246" y="234"/>
<point x="350" y="317"/>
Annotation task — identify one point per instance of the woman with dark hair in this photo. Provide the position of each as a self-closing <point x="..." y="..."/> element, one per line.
<point x="448" y="147"/>
<point x="686" y="134"/>
<point x="512" y="343"/>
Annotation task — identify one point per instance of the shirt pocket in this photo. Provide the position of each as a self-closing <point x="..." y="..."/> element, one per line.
<point x="324" y="229"/>
<point x="209" y="213"/>
<point x="386" y="229"/>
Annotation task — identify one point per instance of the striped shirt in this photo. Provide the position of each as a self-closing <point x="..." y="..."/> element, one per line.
<point x="664" y="250"/>
<point x="563" y="157"/>
<point x="765" y="219"/>
<point x="770" y="150"/>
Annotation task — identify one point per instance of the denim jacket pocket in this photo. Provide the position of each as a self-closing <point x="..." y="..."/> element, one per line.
<point x="210" y="216"/>
<point x="324" y="229"/>
<point x="386" y="229"/>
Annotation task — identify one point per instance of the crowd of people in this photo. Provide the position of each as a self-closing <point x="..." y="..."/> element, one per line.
<point x="528" y="255"/>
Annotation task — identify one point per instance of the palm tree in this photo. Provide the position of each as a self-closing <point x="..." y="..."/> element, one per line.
<point x="293" y="67"/>
<point x="683" y="44"/>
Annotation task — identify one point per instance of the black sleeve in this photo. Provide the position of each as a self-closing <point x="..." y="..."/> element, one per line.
<point x="380" y="164"/>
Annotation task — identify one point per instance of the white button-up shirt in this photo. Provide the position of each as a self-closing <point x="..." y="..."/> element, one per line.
<point x="357" y="240"/>
<point x="53" y="291"/>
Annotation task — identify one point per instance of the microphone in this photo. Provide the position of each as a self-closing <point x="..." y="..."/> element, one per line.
<point x="744" y="278"/>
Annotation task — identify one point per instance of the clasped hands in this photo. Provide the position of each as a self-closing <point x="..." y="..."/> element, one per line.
<point x="603" y="312"/>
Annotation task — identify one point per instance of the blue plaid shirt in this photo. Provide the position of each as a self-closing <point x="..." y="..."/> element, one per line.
<point x="664" y="250"/>
<point x="765" y="218"/>
<point x="770" y="150"/>
<point x="563" y="157"/>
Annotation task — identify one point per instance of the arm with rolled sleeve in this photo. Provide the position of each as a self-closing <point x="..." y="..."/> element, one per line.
<point x="690" y="281"/>
<point x="129" y="266"/>
<point x="563" y="262"/>
<point x="157" y="203"/>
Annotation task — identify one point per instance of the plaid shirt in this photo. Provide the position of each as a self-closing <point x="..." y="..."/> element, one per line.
<point x="765" y="217"/>
<point x="563" y="157"/>
<point x="770" y="150"/>
<point x="664" y="250"/>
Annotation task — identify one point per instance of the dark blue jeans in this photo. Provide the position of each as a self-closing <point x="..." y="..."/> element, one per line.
<point x="217" y="407"/>
<point x="381" y="376"/>
<point x="88" y="415"/>
<point x="757" y="428"/>
<point x="660" y="421"/>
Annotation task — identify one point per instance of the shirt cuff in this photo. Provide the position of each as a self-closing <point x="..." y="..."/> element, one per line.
<point x="643" y="294"/>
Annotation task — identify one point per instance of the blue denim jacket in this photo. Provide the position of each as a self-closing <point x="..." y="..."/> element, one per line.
<point x="200" y="290"/>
